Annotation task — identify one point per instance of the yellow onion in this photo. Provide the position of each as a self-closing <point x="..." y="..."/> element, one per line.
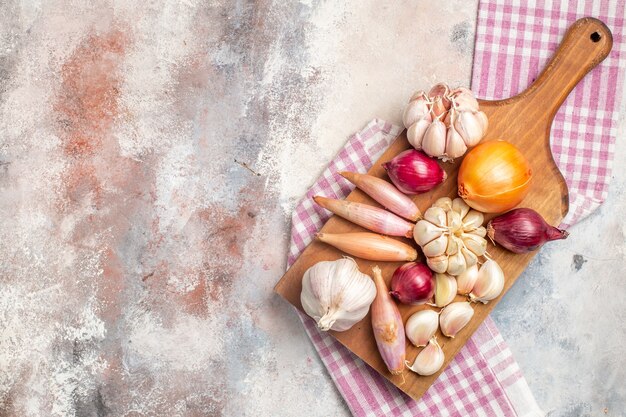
<point x="494" y="177"/>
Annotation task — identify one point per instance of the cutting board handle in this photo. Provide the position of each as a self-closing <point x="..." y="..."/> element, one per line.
<point x="585" y="44"/>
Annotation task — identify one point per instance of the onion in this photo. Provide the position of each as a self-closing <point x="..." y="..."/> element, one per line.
<point x="414" y="172"/>
<point x="522" y="230"/>
<point x="494" y="177"/>
<point x="412" y="283"/>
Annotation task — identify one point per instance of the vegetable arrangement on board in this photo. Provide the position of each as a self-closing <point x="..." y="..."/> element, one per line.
<point x="494" y="177"/>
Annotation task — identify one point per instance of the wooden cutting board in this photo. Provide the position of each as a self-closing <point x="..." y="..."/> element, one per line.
<point x="523" y="120"/>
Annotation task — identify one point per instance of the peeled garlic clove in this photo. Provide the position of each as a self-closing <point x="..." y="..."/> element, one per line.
<point x="445" y="289"/>
<point x="465" y="281"/>
<point x="438" y="263"/>
<point x="470" y="258"/>
<point x="425" y="232"/>
<point x="429" y="360"/>
<point x="434" y="142"/>
<point x="444" y="202"/>
<point x="421" y="327"/>
<point x="464" y="99"/>
<point x="454" y="317"/>
<point x="436" y="215"/>
<point x="455" y="146"/>
<point x="484" y="122"/>
<point x="461" y="207"/>
<point x="436" y="247"/>
<point x="415" y="132"/>
<point x="473" y="220"/>
<point x="456" y="264"/>
<point x="454" y="221"/>
<point x="476" y="244"/>
<point x="469" y="127"/>
<point x="489" y="283"/>
<point x="454" y="243"/>
<point x="415" y="110"/>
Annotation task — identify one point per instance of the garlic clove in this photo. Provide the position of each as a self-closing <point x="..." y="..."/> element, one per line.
<point x="444" y="202"/>
<point x="465" y="281"/>
<point x="425" y="232"/>
<point x="336" y="294"/>
<point x="418" y="94"/>
<point x="438" y="263"/>
<point x="464" y="99"/>
<point x="415" y="132"/>
<point x="489" y="283"/>
<point x="470" y="257"/>
<point x="421" y="327"/>
<point x="454" y="244"/>
<point x="436" y="215"/>
<point x="476" y="244"/>
<point x="461" y="207"/>
<point x="415" y="110"/>
<point x="484" y="122"/>
<point x="434" y="142"/>
<point x="436" y="247"/>
<point x="469" y="127"/>
<point x="454" y="221"/>
<point x="455" y="146"/>
<point x="429" y="360"/>
<point x="439" y="97"/>
<point x="445" y="289"/>
<point x="456" y="264"/>
<point x="455" y="317"/>
<point x="481" y="231"/>
<point x="473" y="220"/>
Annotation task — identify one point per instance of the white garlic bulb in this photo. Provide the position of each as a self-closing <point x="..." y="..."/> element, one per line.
<point x="489" y="283"/>
<point x="444" y="123"/>
<point x="429" y="360"/>
<point x="454" y="317"/>
<point x="451" y="236"/>
<point x="421" y="326"/>
<point x="336" y="294"/>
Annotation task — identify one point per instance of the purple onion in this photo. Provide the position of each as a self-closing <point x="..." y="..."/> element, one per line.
<point x="412" y="283"/>
<point x="414" y="172"/>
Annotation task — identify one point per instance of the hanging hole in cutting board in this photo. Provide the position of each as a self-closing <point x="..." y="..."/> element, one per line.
<point x="595" y="37"/>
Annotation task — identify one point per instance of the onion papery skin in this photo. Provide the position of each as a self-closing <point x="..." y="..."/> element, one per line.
<point x="494" y="177"/>
<point x="414" y="172"/>
<point x="413" y="283"/>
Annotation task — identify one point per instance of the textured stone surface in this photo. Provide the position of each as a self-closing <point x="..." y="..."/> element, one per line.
<point x="150" y="155"/>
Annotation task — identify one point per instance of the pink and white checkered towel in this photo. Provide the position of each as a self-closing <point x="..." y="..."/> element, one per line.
<point x="513" y="43"/>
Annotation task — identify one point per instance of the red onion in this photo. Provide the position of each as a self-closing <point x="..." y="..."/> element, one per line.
<point x="412" y="283"/>
<point x="413" y="172"/>
<point x="522" y="230"/>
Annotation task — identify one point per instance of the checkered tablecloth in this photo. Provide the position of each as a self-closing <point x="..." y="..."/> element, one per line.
<point x="513" y="43"/>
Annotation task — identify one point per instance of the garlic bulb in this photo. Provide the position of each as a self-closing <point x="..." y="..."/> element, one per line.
<point x="451" y="236"/>
<point x="421" y="326"/>
<point x="336" y="294"/>
<point x="429" y="360"/>
<point x="454" y="317"/>
<point x="489" y="283"/>
<point x="444" y="123"/>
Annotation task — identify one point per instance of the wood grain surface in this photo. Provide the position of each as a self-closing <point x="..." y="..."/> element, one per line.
<point x="523" y="120"/>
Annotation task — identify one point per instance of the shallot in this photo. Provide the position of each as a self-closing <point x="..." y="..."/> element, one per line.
<point x="522" y="230"/>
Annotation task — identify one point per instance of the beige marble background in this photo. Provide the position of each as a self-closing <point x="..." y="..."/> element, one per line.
<point x="138" y="253"/>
